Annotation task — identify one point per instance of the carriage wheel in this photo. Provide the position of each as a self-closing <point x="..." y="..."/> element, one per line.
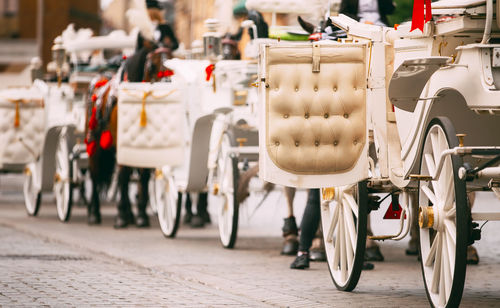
<point x="152" y="195"/>
<point x="443" y="217"/>
<point x="31" y="189"/>
<point x="63" y="190"/>
<point x="344" y="233"/>
<point x="224" y="187"/>
<point x="168" y="201"/>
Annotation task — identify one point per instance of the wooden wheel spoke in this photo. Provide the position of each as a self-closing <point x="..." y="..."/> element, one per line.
<point x="450" y="229"/>
<point x="429" y="161"/>
<point x="430" y="195"/>
<point x="333" y="225"/>
<point x="350" y="228"/>
<point x="343" y="253"/>
<point x="432" y="252"/>
<point x="436" y="275"/>
<point x="336" y="249"/>
<point x="352" y="203"/>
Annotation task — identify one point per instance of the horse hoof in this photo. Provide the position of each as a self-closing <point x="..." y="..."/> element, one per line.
<point x="94" y="220"/>
<point x="472" y="256"/>
<point x="368" y="266"/>
<point x="187" y="218"/>
<point x="121" y="222"/>
<point x="290" y="247"/>
<point x="317" y="256"/>
<point x="412" y="249"/>
<point x="197" y="222"/>
<point x="373" y="254"/>
<point x="142" y="221"/>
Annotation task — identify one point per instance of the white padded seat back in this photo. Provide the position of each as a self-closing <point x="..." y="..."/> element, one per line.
<point x="285" y="6"/>
<point x="21" y="144"/>
<point x="161" y="141"/>
<point x="315" y="121"/>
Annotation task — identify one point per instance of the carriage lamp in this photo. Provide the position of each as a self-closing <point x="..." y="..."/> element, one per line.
<point x="59" y="57"/>
<point x="425" y="217"/>
<point x="212" y="40"/>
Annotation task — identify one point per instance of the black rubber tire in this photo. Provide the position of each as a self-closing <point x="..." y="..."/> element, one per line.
<point x="236" y="206"/>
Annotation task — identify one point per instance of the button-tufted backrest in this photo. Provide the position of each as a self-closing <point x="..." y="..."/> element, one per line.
<point x="315" y="106"/>
<point x="151" y="120"/>
<point x="22" y="125"/>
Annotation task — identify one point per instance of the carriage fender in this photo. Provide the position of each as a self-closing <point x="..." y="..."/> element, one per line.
<point x="409" y="79"/>
<point x="49" y="151"/>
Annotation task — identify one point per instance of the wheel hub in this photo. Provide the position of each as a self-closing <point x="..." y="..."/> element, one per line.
<point x="425" y="217"/>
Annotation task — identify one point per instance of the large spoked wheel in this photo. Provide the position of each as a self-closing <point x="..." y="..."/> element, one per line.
<point x="32" y="189"/>
<point x="152" y="194"/>
<point x="63" y="190"/>
<point x="224" y="187"/>
<point x="344" y="232"/>
<point x="443" y="217"/>
<point x="168" y="201"/>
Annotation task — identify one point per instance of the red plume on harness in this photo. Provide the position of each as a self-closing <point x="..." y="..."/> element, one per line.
<point x="106" y="140"/>
<point x="209" y="70"/>
<point x="315" y="36"/>
<point x="101" y="83"/>
<point x="422" y="13"/>
<point x="91" y="148"/>
<point x="93" y="120"/>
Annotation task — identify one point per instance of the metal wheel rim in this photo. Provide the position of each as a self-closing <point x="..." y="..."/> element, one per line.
<point x="341" y="213"/>
<point x="438" y="245"/>
<point x="62" y="182"/>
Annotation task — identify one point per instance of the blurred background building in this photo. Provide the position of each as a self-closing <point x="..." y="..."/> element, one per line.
<point x="28" y="27"/>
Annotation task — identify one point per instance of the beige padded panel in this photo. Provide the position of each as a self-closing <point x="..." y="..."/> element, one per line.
<point x="161" y="141"/>
<point x="315" y="122"/>
<point x="22" y="144"/>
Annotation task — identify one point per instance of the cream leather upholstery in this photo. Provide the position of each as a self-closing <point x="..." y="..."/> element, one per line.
<point x="285" y="6"/>
<point x="21" y="144"/>
<point x="161" y="141"/>
<point x="315" y="121"/>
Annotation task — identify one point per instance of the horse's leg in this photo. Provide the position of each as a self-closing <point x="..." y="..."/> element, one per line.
<point x="93" y="207"/>
<point x="472" y="255"/>
<point x="189" y="211"/>
<point x="125" y="216"/>
<point x="290" y="230"/>
<point x="201" y="217"/>
<point x="142" y="219"/>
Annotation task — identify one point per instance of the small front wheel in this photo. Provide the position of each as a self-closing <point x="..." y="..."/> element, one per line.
<point x="168" y="202"/>
<point x="63" y="190"/>
<point x="344" y="218"/>
<point x="31" y="189"/>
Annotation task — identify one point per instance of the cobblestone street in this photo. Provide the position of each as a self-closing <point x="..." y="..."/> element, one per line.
<point x="46" y="262"/>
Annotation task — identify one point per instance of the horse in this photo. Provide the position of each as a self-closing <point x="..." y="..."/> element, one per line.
<point x="101" y="135"/>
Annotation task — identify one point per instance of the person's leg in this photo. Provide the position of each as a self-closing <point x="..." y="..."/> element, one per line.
<point x="142" y="219"/>
<point x="308" y="226"/>
<point x="290" y="230"/>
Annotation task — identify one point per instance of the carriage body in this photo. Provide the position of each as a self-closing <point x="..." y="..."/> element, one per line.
<point x="425" y="91"/>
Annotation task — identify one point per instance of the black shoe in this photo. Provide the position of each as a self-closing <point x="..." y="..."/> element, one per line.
<point x="301" y="262"/>
<point x="197" y="222"/>
<point x="373" y="254"/>
<point x="291" y="246"/>
<point x="122" y="220"/>
<point x="367" y="266"/>
<point x="142" y="221"/>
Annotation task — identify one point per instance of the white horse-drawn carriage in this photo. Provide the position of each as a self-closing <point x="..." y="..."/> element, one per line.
<point x="326" y="105"/>
<point x="58" y="160"/>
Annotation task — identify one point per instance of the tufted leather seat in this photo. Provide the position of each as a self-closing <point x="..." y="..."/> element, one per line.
<point x="161" y="141"/>
<point x="23" y="143"/>
<point x="315" y="106"/>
